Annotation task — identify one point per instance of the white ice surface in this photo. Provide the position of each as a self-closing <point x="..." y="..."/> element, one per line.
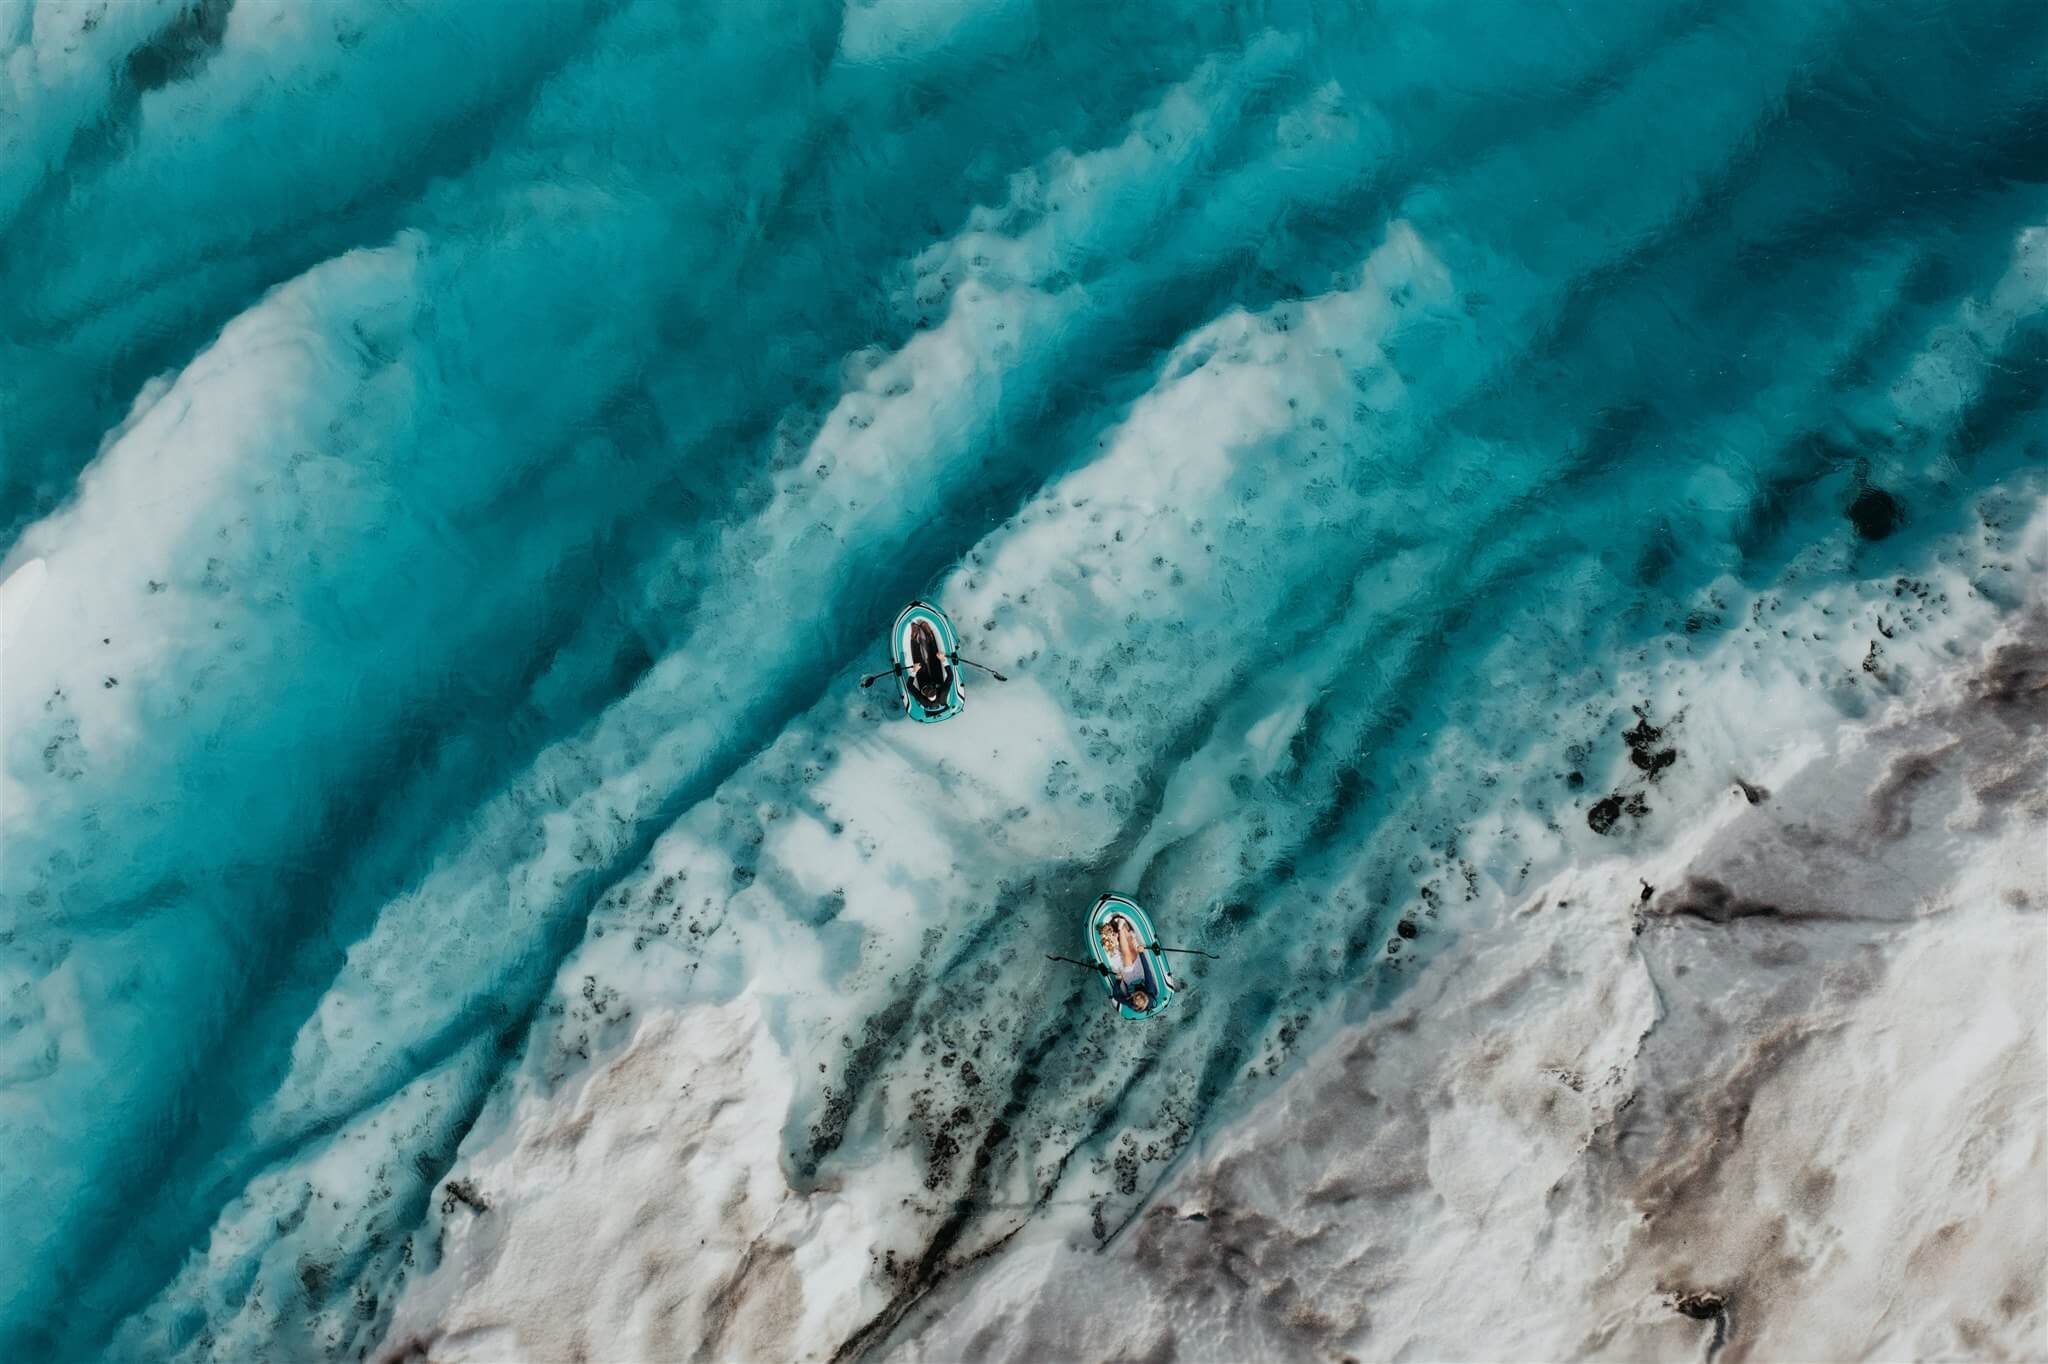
<point x="1793" y="1060"/>
<point x="1831" y="1115"/>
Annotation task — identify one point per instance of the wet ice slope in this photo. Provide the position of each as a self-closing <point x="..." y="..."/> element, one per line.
<point x="1773" y="1093"/>
<point x="1775" y="1086"/>
<point x="1401" y="460"/>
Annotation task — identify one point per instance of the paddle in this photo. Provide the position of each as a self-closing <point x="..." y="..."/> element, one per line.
<point x="872" y="678"/>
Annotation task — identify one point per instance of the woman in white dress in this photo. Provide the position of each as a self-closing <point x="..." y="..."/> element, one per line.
<point x="1125" y="953"/>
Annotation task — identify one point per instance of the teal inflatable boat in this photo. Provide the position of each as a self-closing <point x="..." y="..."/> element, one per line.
<point x="926" y="653"/>
<point x="1121" y="940"/>
<point x="923" y="647"/>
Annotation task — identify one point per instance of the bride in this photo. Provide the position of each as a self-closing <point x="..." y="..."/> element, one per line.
<point x="1125" y="953"/>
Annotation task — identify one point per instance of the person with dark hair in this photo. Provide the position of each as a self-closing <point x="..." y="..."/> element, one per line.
<point x="926" y="653"/>
<point x="930" y="677"/>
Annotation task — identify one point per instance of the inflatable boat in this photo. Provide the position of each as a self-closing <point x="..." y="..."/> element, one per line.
<point x="1124" y="948"/>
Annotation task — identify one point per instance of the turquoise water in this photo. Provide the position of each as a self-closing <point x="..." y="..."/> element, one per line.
<point x="466" y="442"/>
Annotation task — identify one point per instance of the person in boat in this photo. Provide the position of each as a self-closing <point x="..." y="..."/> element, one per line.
<point x="930" y="678"/>
<point x="925" y="665"/>
<point x="1130" y="969"/>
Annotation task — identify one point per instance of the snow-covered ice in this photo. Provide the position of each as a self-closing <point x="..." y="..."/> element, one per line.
<point x="1778" y="1089"/>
